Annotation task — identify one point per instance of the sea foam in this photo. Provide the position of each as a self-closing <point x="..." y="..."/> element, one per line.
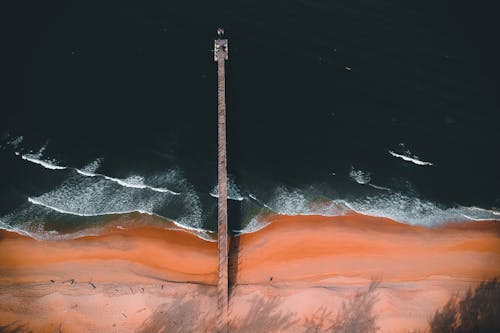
<point x="131" y="182"/>
<point x="46" y="164"/>
<point x="410" y="159"/>
<point x="233" y="192"/>
<point x="394" y="205"/>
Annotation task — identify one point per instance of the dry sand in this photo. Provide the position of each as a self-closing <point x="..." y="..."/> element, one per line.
<point x="299" y="274"/>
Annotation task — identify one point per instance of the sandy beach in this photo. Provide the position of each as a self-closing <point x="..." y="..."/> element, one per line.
<point x="298" y="274"/>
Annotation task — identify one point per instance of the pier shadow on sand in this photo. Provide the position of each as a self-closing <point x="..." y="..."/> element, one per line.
<point x="234" y="224"/>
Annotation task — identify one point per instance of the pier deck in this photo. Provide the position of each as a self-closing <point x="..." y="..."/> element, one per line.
<point x="220" y="55"/>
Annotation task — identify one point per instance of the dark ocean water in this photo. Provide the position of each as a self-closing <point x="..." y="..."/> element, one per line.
<point x="389" y="108"/>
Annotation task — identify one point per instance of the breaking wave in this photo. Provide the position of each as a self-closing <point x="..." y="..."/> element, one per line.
<point x="256" y="223"/>
<point x="131" y="182"/>
<point x="409" y="159"/>
<point x="233" y="192"/>
<point x="295" y="202"/>
<point x="396" y="206"/>
<point x="139" y="211"/>
<point x="95" y="196"/>
<point x="46" y="164"/>
<point x="364" y="178"/>
<point x="84" y="199"/>
<point x="407" y="156"/>
<point x="416" y="211"/>
<point x="63" y="211"/>
<point x="360" y="176"/>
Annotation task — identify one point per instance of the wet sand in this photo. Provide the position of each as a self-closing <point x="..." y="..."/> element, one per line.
<point x="298" y="273"/>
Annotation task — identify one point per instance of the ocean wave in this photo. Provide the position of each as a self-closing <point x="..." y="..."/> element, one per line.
<point x="255" y="224"/>
<point x="483" y="210"/>
<point x="396" y="206"/>
<point x="295" y="202"/>
<point x="15" y="142"/>
<point x="134" y="181"/>
<point x="95" y="195"/>
<point x="46" y="164"/>
<point x="17" y="230"/>
<point x="379" y="187"/>
<point x="233" y="191"/>
<point x="413" y="159"/>
<point x="260" y="202"/>
<point x="92" y="166"/>
<point x="475" y="218"/>
<point x="416" y="211"/>
<point x="118" y="222"/>
<point x="364" y="178"/>
<point x="122" y="212"/>
<point x="230" y="197"/>
<point x="131" y="182"/>
<point x="360" y="176"/>
<point x="64" y="211"/>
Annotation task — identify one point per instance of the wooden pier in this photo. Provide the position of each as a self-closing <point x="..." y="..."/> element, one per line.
<point x="220" y="56"/>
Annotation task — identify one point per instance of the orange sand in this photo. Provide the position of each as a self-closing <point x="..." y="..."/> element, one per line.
<point x="311" y="248"/>
<point x="147" y="279"/>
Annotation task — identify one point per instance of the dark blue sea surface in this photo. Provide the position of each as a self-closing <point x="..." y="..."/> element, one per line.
<point x="388" y="108"/>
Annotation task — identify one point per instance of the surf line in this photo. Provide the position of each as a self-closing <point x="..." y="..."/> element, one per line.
<point x="124" y="183"/>
<point x="67" y="212"/>
<point x="409" y="159"/>
<point x="199" y="232"/>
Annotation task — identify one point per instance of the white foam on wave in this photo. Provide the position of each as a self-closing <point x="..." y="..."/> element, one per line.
<point x="95" y="195"/>
<point x="40" y="234"/>
<point x="88" y="174"/>
<point x="121" y="212"/>
<point x="379" y="187"/>
<point x="475" y="218"/>
<point x="360" y="176"/>
<point x="393" y="205"/>
<point x="253" y="197"/>
<point x="15" y="142"/>
<point x="204" y="234"/>
<point x="255" y="224"/>
<point x="410" y="159"/>
<point x="364" y="178"/>
<point x="482" y="210"/>
<point x="416" y="211"/>
<point x="230" y="197"/>
<point x="295" y="202"/>
<point x="92" y="166"/>
<point x="480" y="214"/>
<point x="46" y="164"/>
<point x="131" y="182"/>
<point x="52" y="234"/>
<point x="64" y="211"/>
<point x="200" y="232"/>
<point x="8" y="227"/>
<point x="233" y="192"/>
